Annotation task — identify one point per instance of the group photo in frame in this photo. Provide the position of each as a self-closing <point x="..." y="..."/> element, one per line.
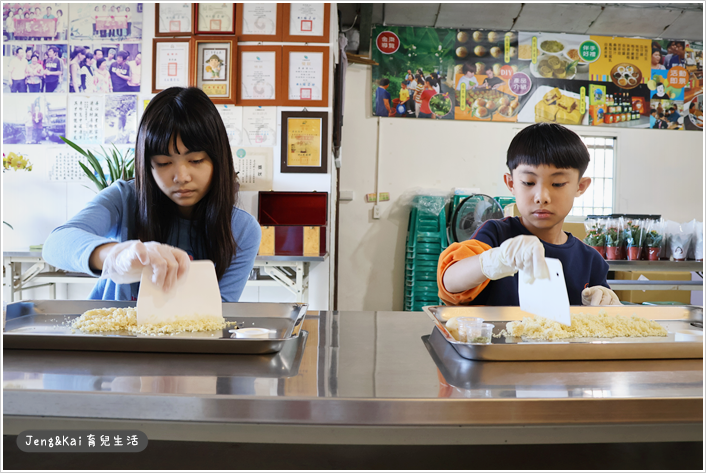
<point x="214" y="68"/>
<point x="305" y="75"/>
<point x="106" y="21"/>
<point x="304" y="142"/>
<point x="172" y="63"/>
<point x="173" y="19"/>
<point x="35" y="21"/>
<point x="214" y="18"/>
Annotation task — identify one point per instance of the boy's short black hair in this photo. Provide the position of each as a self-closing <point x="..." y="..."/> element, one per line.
<point x="468" y="67"/>
<point x="384" y="81"/>
<point x="548" y="144"/>
<point x="123" y="54"/>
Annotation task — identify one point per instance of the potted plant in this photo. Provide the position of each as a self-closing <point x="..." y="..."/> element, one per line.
<point x="119" y="166"/>
<point x="653" y="240"/>
<point x="595" y="238"/>
<point x="634" y="238"/>
<point x="613" y="242"/>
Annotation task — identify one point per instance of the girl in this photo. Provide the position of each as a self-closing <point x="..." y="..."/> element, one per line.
<point x="75" y="68"/>
<point x="35" y="72"/>
<point x="181" y="205"/>
<point x="86" y="72"/>
<point x="101" y="79"/>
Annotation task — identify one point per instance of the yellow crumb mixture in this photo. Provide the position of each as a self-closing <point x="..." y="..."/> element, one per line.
<point x="115" y="319"/>
<point x="584" y="326"/>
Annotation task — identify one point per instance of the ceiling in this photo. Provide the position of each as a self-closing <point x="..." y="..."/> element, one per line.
<point x="649" y="20"/>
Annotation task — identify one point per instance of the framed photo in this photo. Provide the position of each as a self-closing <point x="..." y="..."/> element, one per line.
<point x="305" y="75"/>
<point x="259" y="75"/>
<point x="258" y="21"/>
<point x="306" y="22"/>
<point x="214" y="18"/>
<point x="304" y="142"/>
<point x="173" y="19"/>
<point x="172" y="66"/>
<point x="214" y="68"/>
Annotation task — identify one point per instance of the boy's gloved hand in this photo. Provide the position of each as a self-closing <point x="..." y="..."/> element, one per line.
<point x="125" y="261"/>
<point x="599" y="295"/>
<point x="524" y="252"/>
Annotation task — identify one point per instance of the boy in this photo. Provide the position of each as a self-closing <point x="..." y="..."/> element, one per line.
<point x="383" y="99"/>
<point x="546" y="163"/>
<point x="469" y="77"/>
<point x="404" y="95"/>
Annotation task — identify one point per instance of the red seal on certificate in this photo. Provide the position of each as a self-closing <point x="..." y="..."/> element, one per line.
<point x="172" y="69"/>
<point x="305" y="93"/>
<point x="215" y="25"/>
<point x="175" y="26"/>
<point x="307" y="25"/>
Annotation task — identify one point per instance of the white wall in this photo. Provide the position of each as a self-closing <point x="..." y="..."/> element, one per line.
<point x="657" y="172"/>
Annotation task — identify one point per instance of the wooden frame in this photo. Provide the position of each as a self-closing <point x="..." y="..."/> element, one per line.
<point x="230" y="70"/>
<point x="196" y="22"/>
<point x="286" y="51"/>
<point x="288" y="37"/>
<point x="170" y="33"/>
<point x="286" y="145"/>
<point x="258" y="37"/>
<point x="242" y="97"/>
<point x="155" y="67"/>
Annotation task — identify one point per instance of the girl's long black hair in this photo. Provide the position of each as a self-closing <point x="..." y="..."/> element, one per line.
<point x="189" y="114"/>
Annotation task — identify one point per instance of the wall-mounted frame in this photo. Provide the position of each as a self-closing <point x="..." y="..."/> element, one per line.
<point x="259" y="21"/>
<point x="214" y="67"/>
<point x="173" y="19"/>
<point x="214" y="18"/>
<point x="259" y="76"/>
<point x="172" y="63"/>
<point x="305" y="76"/>
<point x="304" y="142"/>
<point x="306" y="22"/>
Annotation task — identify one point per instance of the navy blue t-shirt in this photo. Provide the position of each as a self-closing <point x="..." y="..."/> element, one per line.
<point x="583" y="266"/>
<point x="380" y="96"/>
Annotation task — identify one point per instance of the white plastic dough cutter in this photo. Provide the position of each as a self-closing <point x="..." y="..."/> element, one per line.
<point x="546" y="297"/>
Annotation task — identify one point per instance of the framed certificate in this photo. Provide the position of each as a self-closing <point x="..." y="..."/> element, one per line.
<point x="304" y="142"/>
<point x="306" y="22"/>
<point x="258" y="21"/>
<point x="171" y="63"/>
<point x="214" y="68"/>
<point x="259" y="75"/>
<point x="214" y="18"/>
<point x="173" y="19"/>
<point x="305" y="75"/>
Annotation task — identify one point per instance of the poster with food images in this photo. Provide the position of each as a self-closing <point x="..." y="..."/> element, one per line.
<point x="485" y="61"/>
<point x="479" y="74"/>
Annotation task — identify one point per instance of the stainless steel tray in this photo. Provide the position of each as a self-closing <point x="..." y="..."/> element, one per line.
<point x="673" y="318"/>
<point x="38" y="325"/>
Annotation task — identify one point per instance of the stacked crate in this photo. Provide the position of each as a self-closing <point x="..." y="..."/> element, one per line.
<point x="426" y="239"/>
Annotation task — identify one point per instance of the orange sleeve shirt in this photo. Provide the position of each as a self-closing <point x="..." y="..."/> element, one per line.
<point x="456" y="252"/>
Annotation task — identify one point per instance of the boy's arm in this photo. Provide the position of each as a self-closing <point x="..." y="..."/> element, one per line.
<point x="463" y="275"/>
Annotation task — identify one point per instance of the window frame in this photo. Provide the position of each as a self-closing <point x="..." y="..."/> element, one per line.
<point x="614" y="178"/>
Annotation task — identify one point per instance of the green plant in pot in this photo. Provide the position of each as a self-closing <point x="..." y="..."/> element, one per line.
<point x="634" y="238"/>
<point x="653" y="241"/>
<point x="596" y="239"/>
<point x="120" y="166"/>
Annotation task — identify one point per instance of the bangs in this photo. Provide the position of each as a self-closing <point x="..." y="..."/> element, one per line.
<point x="175" y="121"/>
<point x="549" y="145"/>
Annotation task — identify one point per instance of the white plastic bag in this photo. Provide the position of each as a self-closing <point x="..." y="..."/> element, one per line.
<point x="696" y="251"/>
<point x="680" y="237"/>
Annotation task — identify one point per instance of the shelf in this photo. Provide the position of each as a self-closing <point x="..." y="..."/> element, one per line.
<point x="644" y="266"/>
<point x="628" y="285"/>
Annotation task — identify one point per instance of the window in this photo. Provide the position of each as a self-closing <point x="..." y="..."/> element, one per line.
<point x="598" y="199"/>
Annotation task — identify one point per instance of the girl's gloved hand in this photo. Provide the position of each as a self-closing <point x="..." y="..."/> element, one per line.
<point x="125" y="261"/>
<point x="599" y="295"/>
<point x="524" y="252"/>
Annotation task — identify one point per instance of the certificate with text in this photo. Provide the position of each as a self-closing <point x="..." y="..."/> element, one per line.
<point x="257" y="72"/>
<point x="259" y="18"/>
<point x="306" y="72"/>
<point x="306" y="19"/>
<point x="172" y="63"/>
<point x="304" y="142"/>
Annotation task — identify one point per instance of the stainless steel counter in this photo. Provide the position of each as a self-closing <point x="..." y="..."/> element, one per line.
<point x="364" y="377"/>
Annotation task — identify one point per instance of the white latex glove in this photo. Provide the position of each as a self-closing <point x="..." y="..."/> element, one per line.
<point x="524" y="252"/>
<point x="125" y="261"/>
<point x="599" y="295"/>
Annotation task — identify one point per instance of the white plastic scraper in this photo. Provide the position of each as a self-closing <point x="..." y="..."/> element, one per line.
<point x="546" y="297"/>
<point x="195" y="296"/>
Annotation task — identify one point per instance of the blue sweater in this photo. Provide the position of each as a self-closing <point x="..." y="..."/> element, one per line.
<point x="110" y="217"/>
<point x="583" y="266"/>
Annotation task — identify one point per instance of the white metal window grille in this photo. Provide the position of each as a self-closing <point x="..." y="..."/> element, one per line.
<point x="599" y="198"/>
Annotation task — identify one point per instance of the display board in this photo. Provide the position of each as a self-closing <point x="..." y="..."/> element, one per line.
<point x="528" y="77"/>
